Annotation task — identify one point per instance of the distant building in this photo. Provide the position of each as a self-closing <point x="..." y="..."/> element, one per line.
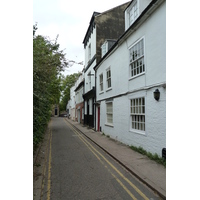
<point x="79" y="89"/>
<point x="72" y="103"/>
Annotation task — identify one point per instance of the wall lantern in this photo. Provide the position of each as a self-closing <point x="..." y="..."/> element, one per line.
<point x="156" y="94"/>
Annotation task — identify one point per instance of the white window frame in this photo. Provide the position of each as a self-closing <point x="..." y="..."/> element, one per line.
<point x="137" y="64"/>
<point x="108" y="79"/>
<point x="109" y="113"/>
<point x="101" y="83"/>
<point x="137" y="115"/>
<point x="134" y="8"/>
<point x="103" y="49"/>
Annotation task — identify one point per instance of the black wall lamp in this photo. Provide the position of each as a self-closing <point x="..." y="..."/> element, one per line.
<point x="156" y="94"/>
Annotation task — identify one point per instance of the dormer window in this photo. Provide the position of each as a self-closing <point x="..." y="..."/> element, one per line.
<point x="133" y="12"/>
<point x="106" y="46"/>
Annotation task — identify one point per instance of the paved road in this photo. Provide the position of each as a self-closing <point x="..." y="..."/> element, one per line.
<point x="78" y="169"/>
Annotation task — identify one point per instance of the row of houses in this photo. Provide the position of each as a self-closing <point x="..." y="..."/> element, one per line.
<point x="122" y="89"/>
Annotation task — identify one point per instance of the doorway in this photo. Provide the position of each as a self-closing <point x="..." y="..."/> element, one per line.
<point x="98" y="119"/>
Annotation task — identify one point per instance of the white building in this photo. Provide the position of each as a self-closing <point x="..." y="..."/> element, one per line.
<point x="68" y="108"/>
<point x="79" y="89"/>
<point x="106" y="25"/>
<point x="129" y="74"/>
<point x="72" y="103"/>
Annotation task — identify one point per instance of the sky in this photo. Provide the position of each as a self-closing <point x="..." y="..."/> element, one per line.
<point x="70" y="20"/>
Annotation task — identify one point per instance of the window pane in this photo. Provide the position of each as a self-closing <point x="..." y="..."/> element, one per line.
<point x="134" y="71"/>
<point x="142" y="127"/>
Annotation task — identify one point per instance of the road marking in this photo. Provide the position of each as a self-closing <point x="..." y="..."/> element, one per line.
<point x="49" y="171"/>
<point x="123" y="186"/>
<point x="128" y="181"/>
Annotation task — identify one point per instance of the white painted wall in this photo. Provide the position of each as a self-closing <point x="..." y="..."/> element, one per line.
<point x="87" y="84"/>
<point x="154" y="32"/>
<point x="92" y="42"/>
<point x="154" y="138"/>
<point x="79" y="92"/>
<point x="72" y="103"/>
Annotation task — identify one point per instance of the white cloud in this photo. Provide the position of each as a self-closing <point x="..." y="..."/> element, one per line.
<point x="69" y="19"/>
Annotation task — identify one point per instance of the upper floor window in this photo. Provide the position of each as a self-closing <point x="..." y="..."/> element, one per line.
<point x="133" y="12"/>
<point x="137" y="65"/>
<point x="101" y="82"/>
<point x="108" y="78"/>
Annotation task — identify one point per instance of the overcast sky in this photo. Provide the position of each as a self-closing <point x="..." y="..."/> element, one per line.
<point x="69" y="19"/>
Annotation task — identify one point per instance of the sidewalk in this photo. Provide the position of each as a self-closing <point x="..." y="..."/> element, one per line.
<point x="148" y="171"/>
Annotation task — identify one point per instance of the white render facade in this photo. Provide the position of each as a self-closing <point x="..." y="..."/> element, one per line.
<point x="90" y="52"/>
<point x="79" y="107"/>
<point x="79" y="91"/>
<point x="102" y="26"/>
<point x="89" y="84"/>
<point x="72" y="103"/>
<point x="125" y="90"/>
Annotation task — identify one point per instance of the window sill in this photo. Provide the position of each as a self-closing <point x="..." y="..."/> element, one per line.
<point x="108" y="89"/>
<point x="131" y="78"/>
<point x="138" y="132"/>
<point x="101" y="92"/>
<point x="110" y="125"/>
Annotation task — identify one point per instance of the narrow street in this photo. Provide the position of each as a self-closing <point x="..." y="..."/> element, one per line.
<point x="76" y="168"/>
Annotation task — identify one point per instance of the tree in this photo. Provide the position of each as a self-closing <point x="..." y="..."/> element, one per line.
<point x="48" y="63"/>
<point x="67" y="83"/>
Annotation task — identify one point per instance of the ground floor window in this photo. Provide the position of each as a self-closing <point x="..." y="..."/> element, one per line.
<point x="137" y="110"/>
<point x="109" y="112"/>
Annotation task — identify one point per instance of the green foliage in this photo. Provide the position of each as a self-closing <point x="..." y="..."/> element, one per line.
<point x="154" y="157"/>
<point x="66" y="83"/>
<point x="48" y="63"/>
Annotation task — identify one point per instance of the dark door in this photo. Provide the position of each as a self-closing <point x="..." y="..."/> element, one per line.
<point x="98" y="122"/>
<point x="88" y="107"/>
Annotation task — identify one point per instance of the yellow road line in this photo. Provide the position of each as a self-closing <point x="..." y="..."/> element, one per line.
<point x="49" y="171"/>
<point x="128" y="181"/>
<point x="123" y="186"/>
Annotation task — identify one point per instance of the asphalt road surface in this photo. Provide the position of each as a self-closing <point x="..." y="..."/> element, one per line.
<point x="78" y="169"/>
